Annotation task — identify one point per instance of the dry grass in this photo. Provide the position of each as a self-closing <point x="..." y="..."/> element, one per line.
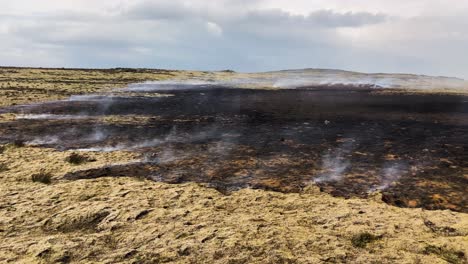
<point x="28" y="85"/>
<point x="128" y="220"/>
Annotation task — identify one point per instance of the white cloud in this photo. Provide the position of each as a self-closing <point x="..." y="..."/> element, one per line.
<point x="214" y="28"/>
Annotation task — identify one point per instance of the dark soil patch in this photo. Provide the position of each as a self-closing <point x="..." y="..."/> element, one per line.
<point x="413" y="148"/>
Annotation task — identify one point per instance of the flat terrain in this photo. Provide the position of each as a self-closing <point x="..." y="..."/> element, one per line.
<point x="56" y="208"/>
<point x="22" y="86"/>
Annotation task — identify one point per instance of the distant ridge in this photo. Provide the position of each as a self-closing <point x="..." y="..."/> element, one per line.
<point x="309" y="77"/>
<point x="323" y="70"/>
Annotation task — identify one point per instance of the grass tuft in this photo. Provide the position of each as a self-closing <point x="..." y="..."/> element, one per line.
<point x="77" y="159"/>
<point x="451" y="256"/>
<point x="361" y="240"/>
<point x="42" y="177"/>
<point x="4" y="167"/>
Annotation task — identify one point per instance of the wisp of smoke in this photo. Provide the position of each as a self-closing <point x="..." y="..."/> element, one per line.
<point x="97" y="135"/>
<point x="44" y="140"/>
<point x="171" y="137"/>
<point x="307" y="77"/>
<point x="390" y="173"/>
<point x="334" y="167"/>
<point x="154" y="86"/>
<point x="90" y="98"/>
<point x="128" y="147"/>
<point x="221" y="148"/>
<point x="322" y="81"/>
<point x="335" y="164"/>
<point x="50" y="117"/>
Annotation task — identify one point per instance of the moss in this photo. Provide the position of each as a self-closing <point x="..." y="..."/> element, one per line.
<point x="361" y="240"/>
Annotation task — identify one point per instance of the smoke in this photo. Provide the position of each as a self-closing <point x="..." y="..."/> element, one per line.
<point x="101" y="135"/>
<point x="126" y="147"/>
<point x="390" y="174"/>
<point x="221" y="148"/>
<point x="317" y="77"/>
<point x="103" y="101"/>
<point x="167" y="155"/>
<point x="90" y="98"/>
<point x="97" y="135"/>
<point x="172" y="137"/>
<point x="334" y="167"/>
<point x="47" y="140"/>
<point x="50" y="117"/>
<point x="308" y="77"/>
<point x="295" y="82"/>
<point x="335" y="163"/>
<point x="154" y="86"/>
<point x="102" y="149"/>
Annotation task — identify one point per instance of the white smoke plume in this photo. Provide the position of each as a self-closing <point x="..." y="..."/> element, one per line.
<point x="50" y="117"/>
<point x="335" y="163"/>
<point x="97" y="135"/>
<point x="44" y="140"/>
<point x="291" y="79"/>
<point x="91" y="98"/>
<point x="171" y="137"/>
<point x="154" y="86"/>
<point x="125" y="147"/>
<point x="318" y="77"/>
<point x="390" y="174"/>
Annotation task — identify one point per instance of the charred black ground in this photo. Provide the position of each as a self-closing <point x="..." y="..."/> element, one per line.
<point x="350" y="141"/>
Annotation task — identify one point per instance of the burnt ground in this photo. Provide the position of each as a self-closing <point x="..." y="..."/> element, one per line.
<point x="351" y="142"/>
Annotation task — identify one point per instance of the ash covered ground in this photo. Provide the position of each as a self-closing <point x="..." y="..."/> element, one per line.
<point x="350" y="139"/>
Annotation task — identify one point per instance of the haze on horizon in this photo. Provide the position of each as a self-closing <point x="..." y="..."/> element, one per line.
<point x="420" y="36"/>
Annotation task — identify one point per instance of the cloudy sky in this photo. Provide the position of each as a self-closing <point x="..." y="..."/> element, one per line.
<point x="417" y="36"/>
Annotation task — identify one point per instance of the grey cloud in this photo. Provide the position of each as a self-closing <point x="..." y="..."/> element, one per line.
<point x="177" y="10"/>
<point x="184" y="10"/>
<point x="331" y="19"/>
<point x="173" y="10"/>
<point x="321" y="18"/>
<point x="172" y="34"/>
<point x="155" y="23"/>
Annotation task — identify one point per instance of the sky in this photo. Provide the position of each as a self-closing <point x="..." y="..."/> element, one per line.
<point x="399" y="36"/>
